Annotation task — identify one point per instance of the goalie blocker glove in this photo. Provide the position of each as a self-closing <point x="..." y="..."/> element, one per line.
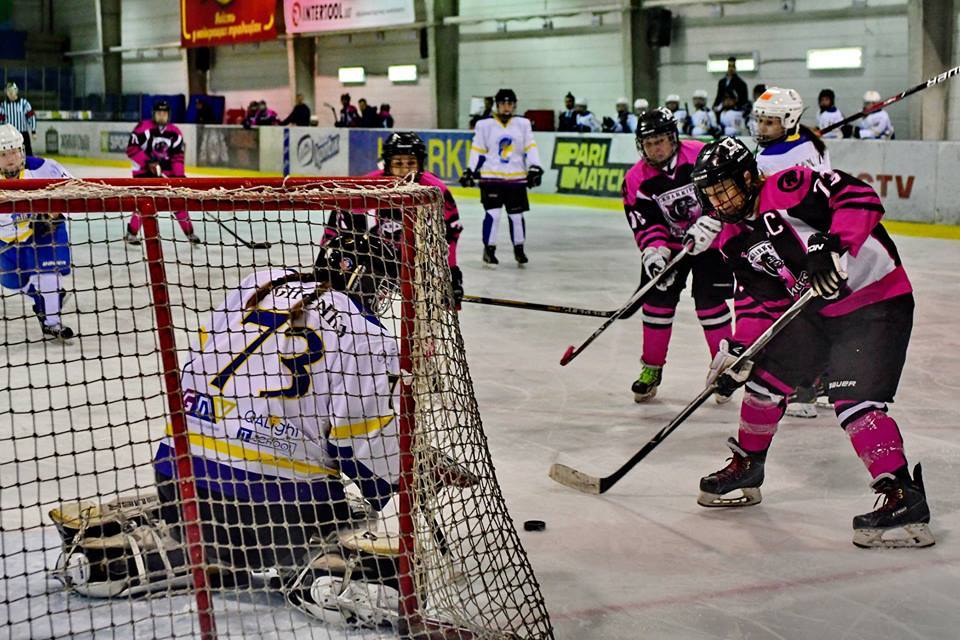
<point x="823" y="265"/>
<point x="534" y="176"/>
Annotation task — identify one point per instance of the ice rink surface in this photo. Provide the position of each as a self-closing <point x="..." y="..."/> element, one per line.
<point x="644" y="560"/>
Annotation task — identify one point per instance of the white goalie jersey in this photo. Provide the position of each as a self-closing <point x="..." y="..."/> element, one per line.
<point x="297" y="399"/>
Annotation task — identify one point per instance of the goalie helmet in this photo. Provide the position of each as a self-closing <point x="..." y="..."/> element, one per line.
<point x="12" y="156"/>
<point x="361" y="265"/>
<point x="654" y="123"/>
<point x="403" y="143"/>
<point x="785" y="104"/>
<point x="726" y="160"/>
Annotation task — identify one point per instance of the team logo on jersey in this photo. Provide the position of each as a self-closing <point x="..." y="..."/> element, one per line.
<point x="274" y="424"/>
<point x="160" y="147"/>
<point x="680" y="207"/>
<point x="504" y="149"/>
<point x="790" y="180"/>
<point x="205" y="407"/>
<point x="262" y="440"/>
<point x="763" y="257"/>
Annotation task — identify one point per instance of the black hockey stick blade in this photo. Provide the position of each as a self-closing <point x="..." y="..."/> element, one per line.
<point x="536" y="306"/>
<point x="586" y="483"/>
<point x="247" y="243"/>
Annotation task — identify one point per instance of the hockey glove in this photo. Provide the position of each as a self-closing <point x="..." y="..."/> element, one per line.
<point x="823" y="265"/>
<point x="153" y="168"/>
<point x="534" y="176"/>
<point x="727" y="380"/>
<point x="44" y="223"/>
<point x="468" y="178"/>
<point x="654" y="261"/>
<point x="701" y="234"/>
<point x="456" y="279"/>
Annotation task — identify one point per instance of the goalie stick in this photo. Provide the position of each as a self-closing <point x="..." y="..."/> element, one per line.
<point x="935" y="80"/>
<point x="586" y="483"/>
<point x="535" y="306"/>
<point x="572" y="352"/>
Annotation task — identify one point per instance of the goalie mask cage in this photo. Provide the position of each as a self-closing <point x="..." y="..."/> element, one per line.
<point x="82" y="421"/>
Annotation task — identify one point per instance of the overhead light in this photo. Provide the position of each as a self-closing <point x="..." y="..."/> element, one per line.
<point x="842" y="58"/>
<point x="717" y="62"/>
<point x="402" y="73"/>
<point x="351" y="75"/>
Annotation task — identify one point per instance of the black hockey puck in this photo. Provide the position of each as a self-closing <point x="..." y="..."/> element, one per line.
<point x="534" y="525"/>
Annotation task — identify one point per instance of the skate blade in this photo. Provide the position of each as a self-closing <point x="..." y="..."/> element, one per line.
<point x="643" y="397"/>
<point x="750" y="496"/>
<point x="908" y="536"/>
<point x="488" y="265"/>
<point x="802" y="410"/>
<point x="721" y="399"/>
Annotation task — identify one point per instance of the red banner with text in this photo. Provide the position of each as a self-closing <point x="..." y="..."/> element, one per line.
<point x="206" y="23"/>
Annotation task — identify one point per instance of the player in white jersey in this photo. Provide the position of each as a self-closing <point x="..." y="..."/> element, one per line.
<point x="703" y="122"/>
<point x="34" y="248"/>
<point x="877" y="125"/>
<point x="505" y="159"/>
<point x="680" y="115"/>
<point x="829" y="114"/>
<point x="786" y="143"/>
<point x="290" y="386"/>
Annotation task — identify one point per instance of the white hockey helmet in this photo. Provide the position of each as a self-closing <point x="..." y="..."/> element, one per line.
<point x="673" y="97"/>
<point x="622" y="100"/>
<point x="872" y="96"/>
<point x="640" y="104"/>
<point x="785" y="104"/>
<point x="10" y="138"/>
<point x="701" y="93"/>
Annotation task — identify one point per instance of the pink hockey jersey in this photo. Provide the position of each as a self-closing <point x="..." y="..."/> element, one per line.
<point x="152" y="143"/>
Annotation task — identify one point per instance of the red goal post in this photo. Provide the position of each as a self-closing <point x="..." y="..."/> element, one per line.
<point x="462" y="570"/>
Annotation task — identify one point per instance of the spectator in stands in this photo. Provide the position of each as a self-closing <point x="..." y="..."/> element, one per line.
<point x="639" y="106"/>
<point x="18" y="112"/>
<point x="586" y="121"/>
<point x="758" y="90"/>
<point x="386" y="120"/>
<point x="348" y="113"/>
<point x="266" y="117"/>
<point x="368" y="115"/>
<point x="876" y="125"/>
<point x="731" y="117"/>
<point x="731" y="82"/>
<point x="300" y="116"/>
<point x="203" y="112"/>
<point x="623" y="121"/>
<point x="703" y="122"/>
<point x="829" y="114"/>
<point x="250" y="120"/>
<point x="568" y="117"/>
<point x="483" y="115"/>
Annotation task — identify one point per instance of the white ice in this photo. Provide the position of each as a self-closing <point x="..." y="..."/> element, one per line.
<point x="644" y="560"/>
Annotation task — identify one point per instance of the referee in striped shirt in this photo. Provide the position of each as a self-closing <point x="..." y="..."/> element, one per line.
<point x="18" y="112"/>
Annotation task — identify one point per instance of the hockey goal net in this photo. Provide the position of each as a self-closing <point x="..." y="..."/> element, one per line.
<point x="83" y="420"/>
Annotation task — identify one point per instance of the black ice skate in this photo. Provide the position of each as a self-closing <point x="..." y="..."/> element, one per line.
<point x="489" y="255"/>
<point x="745" y="472"/>
<point x="902" y="519"/>
<point x="645" y="386"/>
<point x="53" y="330"/>
<point x="520" y="256"/>
<point x="193" y="238"/>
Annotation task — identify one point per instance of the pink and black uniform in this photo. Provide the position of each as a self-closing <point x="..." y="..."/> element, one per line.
<point x="161" y="146"/>
<point x="660" y="205"/>
<point x="861" y="336"/>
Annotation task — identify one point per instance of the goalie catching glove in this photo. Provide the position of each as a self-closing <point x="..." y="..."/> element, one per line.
<point x="701" y="234"/>
<point x="654" y="262"/>
<point x="823" y="265"/>
<point x="728" y="380"/>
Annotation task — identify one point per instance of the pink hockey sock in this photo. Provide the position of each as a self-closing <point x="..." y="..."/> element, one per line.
<point x="657" y="329"/>
<point x="183" y="218"/>
<point x="716" y="326"/>
<point x="134" y="225"/>
<point x="759" y="417"/>
<point x="876" y="438"/>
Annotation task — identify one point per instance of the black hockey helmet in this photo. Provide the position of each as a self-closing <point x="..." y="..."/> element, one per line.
<point x="726" y="159"/>
<point x="402" y="143"/>
<point x="161" y="105"/>
<point x="361" y="265"/>
<point x="657" y="122"/>
<point x="505" y="95"/>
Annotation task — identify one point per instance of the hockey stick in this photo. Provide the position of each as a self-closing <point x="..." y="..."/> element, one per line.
<point x="581" y="481"/>
<point x="535" y="306"/>
<point x="247" y="243"/>
<point x="935" y="80"/>
<point x="572" y="352"/>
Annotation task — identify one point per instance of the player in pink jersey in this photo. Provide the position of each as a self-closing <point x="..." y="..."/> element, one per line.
<point x="404" y="154"/>
<point x="664" y="214"/>
<point x="782" y="234"/>
<point x="156" y="150"/>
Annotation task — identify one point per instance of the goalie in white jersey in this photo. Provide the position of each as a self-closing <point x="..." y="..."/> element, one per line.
<point x="290" y="386"/>
<point x="34" y="247"/>
<point x="505" y="159"/>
